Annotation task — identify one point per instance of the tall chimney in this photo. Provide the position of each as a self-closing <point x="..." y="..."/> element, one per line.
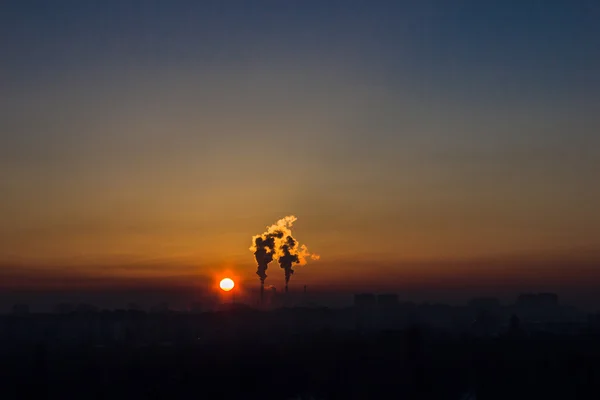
<point x="262" y="293"/>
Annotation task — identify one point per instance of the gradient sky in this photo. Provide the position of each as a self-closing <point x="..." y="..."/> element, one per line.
<point x="433" y="141"/>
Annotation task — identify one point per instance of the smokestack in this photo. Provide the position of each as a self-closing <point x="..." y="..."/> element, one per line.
<point x="288" y="256"/>
<point x="262" y="293"/>
<point x="263" y="247"/>
<point x="277" y="243"/>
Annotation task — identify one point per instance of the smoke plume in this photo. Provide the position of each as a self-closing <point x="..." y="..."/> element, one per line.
<point x="264" y="250"/>
<point x="277" y="243"/>
<point x="288" y="258"/>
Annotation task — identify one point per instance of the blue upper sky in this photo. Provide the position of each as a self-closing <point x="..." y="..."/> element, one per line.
<point x="543" y="42"/>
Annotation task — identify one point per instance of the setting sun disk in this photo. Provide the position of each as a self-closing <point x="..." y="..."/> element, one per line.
<point x="226" y="284"/>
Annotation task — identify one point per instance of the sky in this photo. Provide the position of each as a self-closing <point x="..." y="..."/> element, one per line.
<point x="421" y="144"/>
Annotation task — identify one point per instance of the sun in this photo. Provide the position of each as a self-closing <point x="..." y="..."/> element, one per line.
<point x="226" y="284"/>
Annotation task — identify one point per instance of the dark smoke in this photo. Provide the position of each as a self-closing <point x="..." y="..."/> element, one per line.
<point x="265" y="250"/>
<point x="277" y="243"/>
<point x="288" y="257"/>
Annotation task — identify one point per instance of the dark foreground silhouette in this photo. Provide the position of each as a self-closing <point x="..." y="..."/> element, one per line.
<point x="247" y="354"/>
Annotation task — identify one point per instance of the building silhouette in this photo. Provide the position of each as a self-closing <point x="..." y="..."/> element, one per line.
<point x="365" y="301"/>
<point x="388" y="300"/>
